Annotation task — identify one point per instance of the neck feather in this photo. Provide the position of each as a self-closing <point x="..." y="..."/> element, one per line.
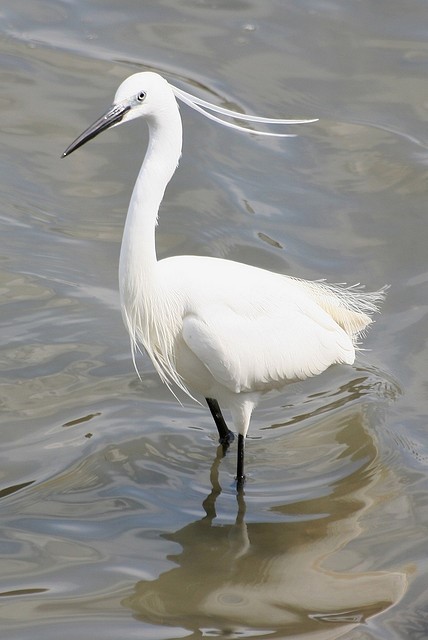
<point x="140" y="288"/>
<point x="138" y="252"/>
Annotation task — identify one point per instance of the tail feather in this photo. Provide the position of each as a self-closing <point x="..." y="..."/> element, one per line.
<point x="351" y="307"/>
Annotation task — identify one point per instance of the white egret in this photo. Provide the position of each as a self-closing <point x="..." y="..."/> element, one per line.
<point x="225" y="330"/>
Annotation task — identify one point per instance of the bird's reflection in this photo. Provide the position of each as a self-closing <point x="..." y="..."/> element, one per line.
<point x="272" y="578"/>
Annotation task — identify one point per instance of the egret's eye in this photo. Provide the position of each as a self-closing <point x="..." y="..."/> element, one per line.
<point x="141" y="96"/>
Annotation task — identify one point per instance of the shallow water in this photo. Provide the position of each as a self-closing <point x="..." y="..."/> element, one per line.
<point x="118" y="517"/>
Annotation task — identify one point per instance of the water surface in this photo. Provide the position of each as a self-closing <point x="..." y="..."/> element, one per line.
<point x="119" y="518"/>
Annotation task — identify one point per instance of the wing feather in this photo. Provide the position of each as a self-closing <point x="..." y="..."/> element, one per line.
<point x="257" y="352"/>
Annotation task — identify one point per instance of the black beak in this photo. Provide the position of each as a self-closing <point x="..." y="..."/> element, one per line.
<point x="113" y="116"/>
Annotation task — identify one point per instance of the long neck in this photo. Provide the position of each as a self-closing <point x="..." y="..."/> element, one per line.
<point x="138" y="253"/>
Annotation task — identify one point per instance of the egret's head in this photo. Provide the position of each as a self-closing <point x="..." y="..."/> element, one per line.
<point x="143" y="94"/>
<point x="150" y="96"/>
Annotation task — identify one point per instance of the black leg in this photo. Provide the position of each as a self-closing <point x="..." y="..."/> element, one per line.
<point x="240" y="477"/>
<point x="226" y="436"/>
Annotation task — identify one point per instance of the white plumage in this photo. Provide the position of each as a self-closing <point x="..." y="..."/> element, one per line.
<point x="221" y="329"/>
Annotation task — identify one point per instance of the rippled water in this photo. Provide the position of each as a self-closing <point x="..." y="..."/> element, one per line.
<point x="118" y="516"/>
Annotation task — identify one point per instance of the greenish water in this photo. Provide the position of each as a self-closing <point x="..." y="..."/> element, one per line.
<point x="118" y="520"/>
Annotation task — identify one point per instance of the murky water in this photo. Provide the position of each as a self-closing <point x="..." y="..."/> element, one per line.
<point x="118" y="517"/>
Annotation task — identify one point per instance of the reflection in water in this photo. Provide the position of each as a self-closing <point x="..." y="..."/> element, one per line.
<point x="272" y="577"/>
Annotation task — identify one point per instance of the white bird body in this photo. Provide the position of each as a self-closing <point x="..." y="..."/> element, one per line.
<point x="225" y="330"/>
<point x="251" y="329"/>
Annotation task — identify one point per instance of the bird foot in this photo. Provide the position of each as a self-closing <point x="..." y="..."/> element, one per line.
<point x="227" y="439"/>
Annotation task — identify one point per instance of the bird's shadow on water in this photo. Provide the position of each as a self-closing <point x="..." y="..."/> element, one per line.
<point x="271" y="578"/>
<point x="367" y="383"/>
